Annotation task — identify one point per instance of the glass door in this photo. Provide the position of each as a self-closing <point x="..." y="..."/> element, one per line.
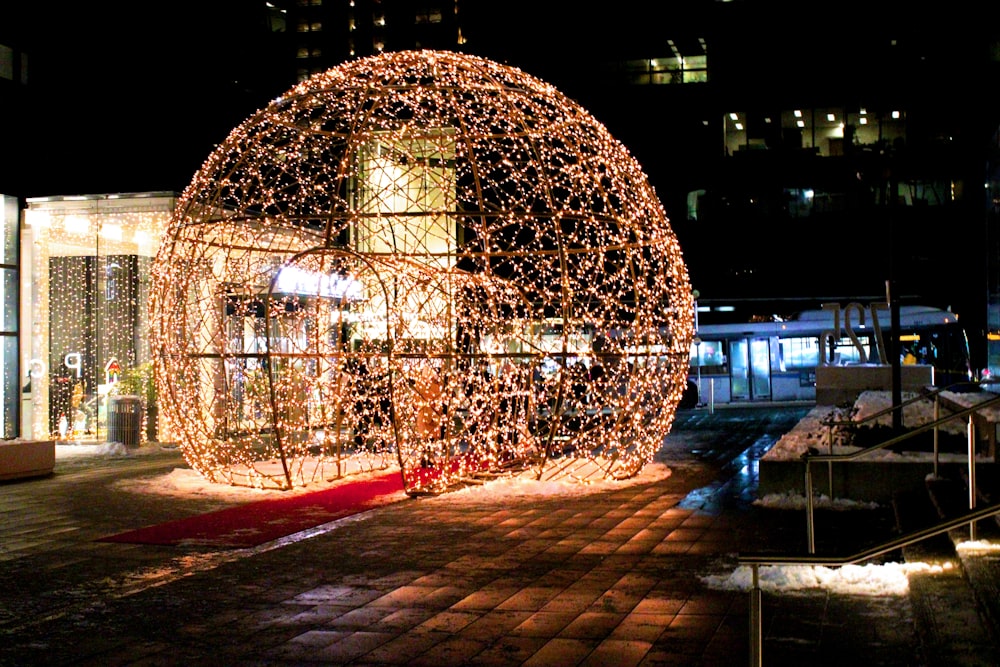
<point x="760" y="369"/>
<point x="750" y="370"/>
<point x="739" y="370"/>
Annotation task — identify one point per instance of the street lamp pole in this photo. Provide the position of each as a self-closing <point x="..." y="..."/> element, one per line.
<point x="697" y="343"/>
<point x="892" y="297"/>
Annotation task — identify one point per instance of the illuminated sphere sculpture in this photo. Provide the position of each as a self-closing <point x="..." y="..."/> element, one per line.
<point x="426" y="259"/>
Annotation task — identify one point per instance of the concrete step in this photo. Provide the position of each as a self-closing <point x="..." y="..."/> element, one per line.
<point x="978" y="546"/>
<point x="951" y="621"/>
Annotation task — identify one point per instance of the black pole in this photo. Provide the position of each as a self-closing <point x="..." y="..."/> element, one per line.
<point x="897" y="371"/>
<point x="892" y="295"/>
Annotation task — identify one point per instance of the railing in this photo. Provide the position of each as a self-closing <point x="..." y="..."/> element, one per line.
<point x="755" y="561"/>
<point x="969" y="412"/>
<point x="831" y="423"/>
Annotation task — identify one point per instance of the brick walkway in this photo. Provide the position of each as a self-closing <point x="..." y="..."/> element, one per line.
<point x="610" y="578"/>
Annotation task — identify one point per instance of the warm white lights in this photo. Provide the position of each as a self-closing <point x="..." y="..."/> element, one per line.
<point x="111" y="231"/>
<point x="424" y="258"/>
<point x="76" y="224"/>
<point x="34" y="218"/>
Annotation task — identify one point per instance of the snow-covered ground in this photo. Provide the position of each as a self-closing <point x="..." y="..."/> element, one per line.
<point x="880" y="579"/>
<point x="185" y="482"/>
<point x="812" y="432"/>
<point x="866" y="579"/>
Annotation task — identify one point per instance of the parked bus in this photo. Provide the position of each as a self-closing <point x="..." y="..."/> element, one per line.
<point x="777" y="360"/>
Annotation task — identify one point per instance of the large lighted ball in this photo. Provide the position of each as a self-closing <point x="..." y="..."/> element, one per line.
<point x="423" y="259"/>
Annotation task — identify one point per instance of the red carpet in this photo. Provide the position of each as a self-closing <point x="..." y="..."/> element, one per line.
<point x="262" y="521"/>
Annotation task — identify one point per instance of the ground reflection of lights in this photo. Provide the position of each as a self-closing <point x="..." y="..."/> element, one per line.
<point x="739" y="486"/>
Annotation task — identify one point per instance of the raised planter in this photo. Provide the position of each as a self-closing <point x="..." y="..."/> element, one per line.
<point x="26" y="458"/>
<point x="863" y="481"/>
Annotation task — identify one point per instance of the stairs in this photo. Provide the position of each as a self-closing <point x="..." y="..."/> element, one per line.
<point x="956" y="608"/>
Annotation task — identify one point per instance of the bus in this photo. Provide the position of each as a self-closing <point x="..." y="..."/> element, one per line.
<point x="777" y="360"/>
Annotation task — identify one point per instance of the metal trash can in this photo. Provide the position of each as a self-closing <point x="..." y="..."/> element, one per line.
<point x="125" y="420"/>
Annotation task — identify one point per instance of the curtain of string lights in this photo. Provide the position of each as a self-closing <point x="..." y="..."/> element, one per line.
<point x="423" y="259"/>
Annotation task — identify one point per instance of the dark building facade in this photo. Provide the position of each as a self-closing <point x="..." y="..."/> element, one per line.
<point x="14" y="101"/>
<point x="315" y="35"/>
<point x="803" y="153"/>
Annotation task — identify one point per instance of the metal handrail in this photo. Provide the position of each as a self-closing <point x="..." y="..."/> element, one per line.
<point x="925" y="395"/>
<point x="755" y="560"/>
<point x="809" y="458"/>
<point x="831" y="423"/>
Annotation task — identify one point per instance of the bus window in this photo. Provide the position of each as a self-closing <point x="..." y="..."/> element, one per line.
<point x="800" y="353"/>
<point x="712" y="359"/>
<point x="845" y="351"/>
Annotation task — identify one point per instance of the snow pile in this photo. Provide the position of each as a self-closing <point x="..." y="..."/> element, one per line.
<point x="105" y="450"/>
<point x="812" y="432"/>
<point x="871" y="579"/>
<point x="185" y="482"/>
<point x="977" y="547"/>
<point x="526" y="484"/>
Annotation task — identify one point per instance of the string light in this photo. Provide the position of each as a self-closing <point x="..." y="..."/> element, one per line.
<point x="89" y="259"/>
<point x="421" y="258"/>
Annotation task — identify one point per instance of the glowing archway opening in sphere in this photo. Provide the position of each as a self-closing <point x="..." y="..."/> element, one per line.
<point x="423" y="258"/>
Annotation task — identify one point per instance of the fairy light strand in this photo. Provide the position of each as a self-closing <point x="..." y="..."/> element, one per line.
<point x="425" y="258"/>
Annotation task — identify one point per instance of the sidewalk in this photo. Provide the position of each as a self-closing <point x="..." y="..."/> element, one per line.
<point x="609" y="578"/>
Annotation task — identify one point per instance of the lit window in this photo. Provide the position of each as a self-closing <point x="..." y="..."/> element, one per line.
<point x="428" y="15"/>
<point x="6" y="62"/>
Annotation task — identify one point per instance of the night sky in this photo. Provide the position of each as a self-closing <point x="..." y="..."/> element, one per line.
<point x="127" y="101"/>
<point x="131" y="99"/>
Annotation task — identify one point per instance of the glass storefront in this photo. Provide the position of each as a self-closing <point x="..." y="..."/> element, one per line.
<point x="10" y="387"/>
<point x="85" y="301"/>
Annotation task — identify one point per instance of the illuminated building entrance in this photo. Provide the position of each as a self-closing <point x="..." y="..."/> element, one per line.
<point x="88" y="261"/>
